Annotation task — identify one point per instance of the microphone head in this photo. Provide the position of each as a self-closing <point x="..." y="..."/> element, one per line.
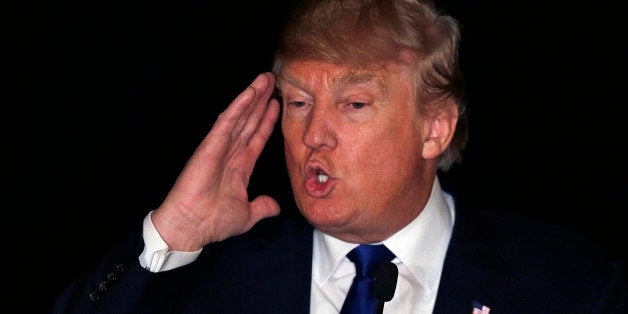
<point x="385" y="282"/>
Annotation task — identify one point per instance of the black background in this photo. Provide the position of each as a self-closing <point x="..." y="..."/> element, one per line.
<point x="103" y="102"/>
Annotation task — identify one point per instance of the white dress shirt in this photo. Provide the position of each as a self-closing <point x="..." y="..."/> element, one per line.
<point x="419" y="248"/>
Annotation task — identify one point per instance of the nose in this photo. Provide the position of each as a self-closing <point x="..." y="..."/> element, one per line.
<point x="320" y="129"/>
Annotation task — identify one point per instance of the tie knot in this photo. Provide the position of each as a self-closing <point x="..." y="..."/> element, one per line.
<point x="368" y="257"/>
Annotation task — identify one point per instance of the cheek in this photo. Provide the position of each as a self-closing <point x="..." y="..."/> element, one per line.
<point x="292" y="144"/>
<point x="384" y="156"/>
<point x="366" y="154"/>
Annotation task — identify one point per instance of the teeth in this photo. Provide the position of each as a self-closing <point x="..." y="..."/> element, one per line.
<point x="322" y="178"/>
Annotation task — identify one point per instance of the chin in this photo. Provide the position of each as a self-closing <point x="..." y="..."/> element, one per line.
<point x="324" y="217"/>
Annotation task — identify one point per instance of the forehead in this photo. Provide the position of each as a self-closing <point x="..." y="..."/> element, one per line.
<point x="313" y="74"/>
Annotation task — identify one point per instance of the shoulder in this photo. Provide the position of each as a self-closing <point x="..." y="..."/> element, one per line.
<point x="528" y="242"/>
<point x="532" y="255"/>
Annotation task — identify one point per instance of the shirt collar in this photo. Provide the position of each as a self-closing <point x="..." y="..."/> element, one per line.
<point x="420" y="246"/>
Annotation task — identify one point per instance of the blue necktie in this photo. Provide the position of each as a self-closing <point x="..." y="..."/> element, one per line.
<point x="366" y="258"/>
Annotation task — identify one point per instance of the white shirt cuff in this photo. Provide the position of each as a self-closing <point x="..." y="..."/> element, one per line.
<point x="156" y="257"/>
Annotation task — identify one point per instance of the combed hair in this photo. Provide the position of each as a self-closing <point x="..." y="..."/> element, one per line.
<point x="356" y="33"/>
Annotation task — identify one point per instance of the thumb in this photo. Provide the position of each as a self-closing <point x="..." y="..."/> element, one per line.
<point x="262" y="207"/>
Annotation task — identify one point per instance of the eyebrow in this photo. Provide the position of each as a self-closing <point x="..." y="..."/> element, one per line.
<point x="355" y="78"/>
<point x="347" y="79"/>
<point x="287" y="78"/>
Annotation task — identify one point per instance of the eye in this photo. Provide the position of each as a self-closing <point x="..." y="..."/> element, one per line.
<point x="298" y="104"/>
<point x="358" y="105"/>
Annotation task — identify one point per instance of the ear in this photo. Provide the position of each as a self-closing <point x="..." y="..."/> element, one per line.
<point x="439" y="128"/>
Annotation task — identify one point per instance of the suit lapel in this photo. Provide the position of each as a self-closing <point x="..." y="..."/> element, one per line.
<point x="462" y="280"/>
<point x="476" y="266"/>
<point x="461" y="284"/>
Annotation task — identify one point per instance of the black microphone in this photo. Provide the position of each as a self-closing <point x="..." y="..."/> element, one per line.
<point x="384" y="284"/>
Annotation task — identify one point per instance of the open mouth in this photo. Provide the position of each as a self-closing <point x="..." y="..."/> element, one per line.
<point x="321" y="176"/>
<point x="317" y="173"/>
<point x="318" y="181"/>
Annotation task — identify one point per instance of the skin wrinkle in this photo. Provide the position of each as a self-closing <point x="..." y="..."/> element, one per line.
<point x="348" y="79"/>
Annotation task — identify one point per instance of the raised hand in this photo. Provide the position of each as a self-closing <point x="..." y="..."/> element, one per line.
<point x="209" y="200"/>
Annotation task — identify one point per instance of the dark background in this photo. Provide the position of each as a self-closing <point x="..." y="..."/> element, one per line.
<point x="103" y="102"/>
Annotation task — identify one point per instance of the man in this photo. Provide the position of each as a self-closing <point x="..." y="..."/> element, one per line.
<point x="371" y="109"/>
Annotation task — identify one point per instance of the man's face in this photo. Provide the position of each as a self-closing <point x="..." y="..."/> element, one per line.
<point x="354" y="143"/>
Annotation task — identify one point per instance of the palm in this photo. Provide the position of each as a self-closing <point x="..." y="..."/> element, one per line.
<point x="211" y="191"/>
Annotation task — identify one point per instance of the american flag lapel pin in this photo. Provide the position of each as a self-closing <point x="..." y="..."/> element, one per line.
<point x="479" y="308"/>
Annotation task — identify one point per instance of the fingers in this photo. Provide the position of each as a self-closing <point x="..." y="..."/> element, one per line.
<point x="250" y="101"/>
<point x="266" y="126"/>
<point x="258" y="111"/>
<point x="241" y="118"/>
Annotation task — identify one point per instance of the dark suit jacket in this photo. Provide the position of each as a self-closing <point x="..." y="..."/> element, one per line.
<point x="506" y="262"/>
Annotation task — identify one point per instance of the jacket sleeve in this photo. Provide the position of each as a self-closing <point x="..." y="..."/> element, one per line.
<point x="118" y="284"/>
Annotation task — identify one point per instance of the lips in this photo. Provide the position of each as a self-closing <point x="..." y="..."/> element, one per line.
<point x="318" y="180"/>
